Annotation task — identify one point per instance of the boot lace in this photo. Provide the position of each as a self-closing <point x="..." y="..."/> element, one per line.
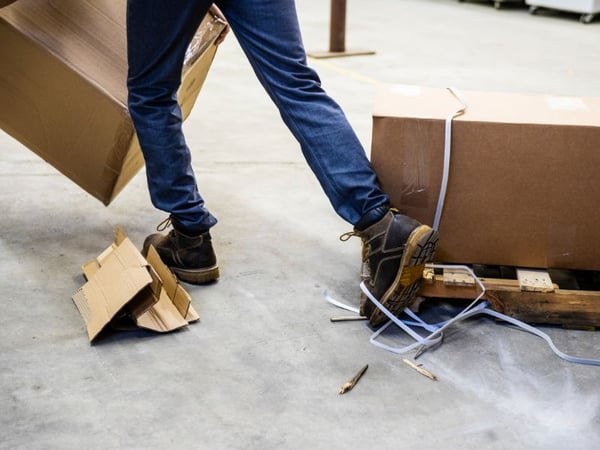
<point x="346" y="236"/>
<point x="164" y="224"/>
<point x="365" y="250"/>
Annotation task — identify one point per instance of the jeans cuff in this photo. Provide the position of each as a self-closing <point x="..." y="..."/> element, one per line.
<point x="193" y="229"/>
<point x="371" y="217"/>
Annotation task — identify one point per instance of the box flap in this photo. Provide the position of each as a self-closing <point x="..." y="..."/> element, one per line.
<point x="114" y="284"/>
<point x="498" y="107"/>
<point x="90" y="268"/>
<point x="178" y="295"/>
<point x="174" y="308"/>
<point x="162" y="317"/>
<point x="121" y="279"/>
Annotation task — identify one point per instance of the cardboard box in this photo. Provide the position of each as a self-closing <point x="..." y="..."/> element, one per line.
<point x="122" y="283"/>
<point x="523" y="184"/>
<point x="63" y="90"/>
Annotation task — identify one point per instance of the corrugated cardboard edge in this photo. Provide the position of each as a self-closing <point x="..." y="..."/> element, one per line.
<point x="120" y="278"/>
<point x="174" y="308"/>
<point x="117" y="279"/>
<point x="422" y="102"/>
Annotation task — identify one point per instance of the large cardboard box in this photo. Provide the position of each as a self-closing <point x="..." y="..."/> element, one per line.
<point x="63" y="90"/>
<point x="523" y="186"/>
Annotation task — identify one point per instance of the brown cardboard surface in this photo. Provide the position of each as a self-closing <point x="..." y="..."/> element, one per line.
<point x="174" y="308"/>
<point x="523" y="187"/>
<point x="63" y="87"/>
<point x="120" y="281"/>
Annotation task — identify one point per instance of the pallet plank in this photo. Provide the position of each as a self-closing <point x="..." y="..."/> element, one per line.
<point x="570" y="308"/>
<point x="567" y="308"/>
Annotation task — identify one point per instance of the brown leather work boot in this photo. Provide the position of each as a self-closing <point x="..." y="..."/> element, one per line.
<point x="394" y="253"/>
<point x="191" y="258"/>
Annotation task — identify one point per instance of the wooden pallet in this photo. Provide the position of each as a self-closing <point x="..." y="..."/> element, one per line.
<point x="532" y="297"/>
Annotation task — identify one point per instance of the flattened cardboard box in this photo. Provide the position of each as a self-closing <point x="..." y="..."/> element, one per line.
<point x="63" y="90"/>
<point x="523" y="185"/>
<point x="120" y="281"/>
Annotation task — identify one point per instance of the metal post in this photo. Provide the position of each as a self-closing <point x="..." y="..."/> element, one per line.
<point x="337" y="30"/>
<point x="337" y="34"/>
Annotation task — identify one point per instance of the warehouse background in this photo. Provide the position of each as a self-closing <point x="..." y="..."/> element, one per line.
<point x="263" y="367"/>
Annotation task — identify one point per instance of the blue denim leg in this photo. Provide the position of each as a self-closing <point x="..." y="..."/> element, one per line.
<point x="158" y="33"/>
<point x="269" y="34"/>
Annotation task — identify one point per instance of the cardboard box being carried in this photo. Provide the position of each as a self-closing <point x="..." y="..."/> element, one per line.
<point x="121" y="283"/>
<point x="63" y="90"/>
<point x="523" y="185"/>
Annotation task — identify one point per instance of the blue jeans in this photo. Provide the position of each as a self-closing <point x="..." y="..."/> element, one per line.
<point x="158" y="33"/>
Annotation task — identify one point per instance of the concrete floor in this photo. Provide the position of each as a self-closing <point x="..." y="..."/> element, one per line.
<point x="262" y="368"/>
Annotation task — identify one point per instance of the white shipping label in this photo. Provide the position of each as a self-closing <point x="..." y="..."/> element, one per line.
<point x="566" y="103"/>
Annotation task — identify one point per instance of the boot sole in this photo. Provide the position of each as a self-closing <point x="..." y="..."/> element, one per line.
<point x="196" y="276"/>
<point x="419" y="250"/>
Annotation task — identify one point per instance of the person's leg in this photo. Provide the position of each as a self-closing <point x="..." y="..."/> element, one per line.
<point x="269" y="34"/>
<point x="158" y="33"/>
<point x="395" y="247"/>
